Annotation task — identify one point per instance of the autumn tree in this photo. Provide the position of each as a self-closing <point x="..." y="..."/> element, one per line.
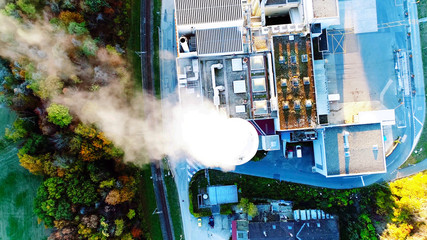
<point x="34" y="164"/>
<point x="59" y="115"/>
<point x="410" y="207"/>
<point x="67" y="17"/>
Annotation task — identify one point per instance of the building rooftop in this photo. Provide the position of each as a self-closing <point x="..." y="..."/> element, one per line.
<point x="320" y="229"/>
<point x="360" y="152"/>
<point x="190" y="12"/>
<point x="295" y="83"/>
<point x="325" y="8"/>
<point x="222" y="194"/>
<point x="219" y="41"/>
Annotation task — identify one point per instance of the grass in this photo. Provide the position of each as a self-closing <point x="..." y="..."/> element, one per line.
<point x="156" y="56"/>
<point x="174" y="207"/>
<point x="134" y="43"/>
<point x="17" y="191"/>
<point x="422" y="9"/>
<point x="422" y="143"/>
<point x="151" y="222"/>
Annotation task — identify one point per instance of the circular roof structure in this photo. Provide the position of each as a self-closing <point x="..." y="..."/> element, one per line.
<point x="243" y="140"/>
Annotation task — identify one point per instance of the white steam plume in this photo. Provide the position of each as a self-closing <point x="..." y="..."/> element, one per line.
<point x="196" y="129"/>
<point x="36" y="42"/>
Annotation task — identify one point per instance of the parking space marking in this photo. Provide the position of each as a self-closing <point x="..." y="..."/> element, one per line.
<point x="385" y="89"/>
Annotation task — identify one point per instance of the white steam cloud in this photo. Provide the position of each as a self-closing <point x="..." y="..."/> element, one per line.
<point x="195" y="130"/>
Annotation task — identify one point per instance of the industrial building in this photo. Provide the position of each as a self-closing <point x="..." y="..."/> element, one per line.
<point x="265" y="61"/>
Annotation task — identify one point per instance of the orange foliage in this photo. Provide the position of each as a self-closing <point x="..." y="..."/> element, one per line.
<point x="109" y="11"/>
<point x="136" y="232"/>
<point x="66" y="17"/>
<point x="117" y="196"/>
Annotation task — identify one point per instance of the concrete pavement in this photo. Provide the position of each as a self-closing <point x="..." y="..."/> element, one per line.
<point x="288" y="171"/>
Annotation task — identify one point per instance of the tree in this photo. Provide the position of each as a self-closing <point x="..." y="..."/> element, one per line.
<point x="34" y="164"/>
<point x="89" y="47"/>
<point x="17" y="132"/>
<point x="81" y="191"/>
<point x="77" y="28"/>
<point x="49" y="87"/>
<point x="248" y="207"/>
<point x="51" y="203"/>
<point x="59" y="115"/>
<point x="95" y="5"/>
<point x="67" y="17"/>
<point x="27" y="7"/>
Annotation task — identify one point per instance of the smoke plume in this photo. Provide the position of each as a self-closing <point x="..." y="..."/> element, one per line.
<point x="195" y="130"/>
<point x="138" y="125"/>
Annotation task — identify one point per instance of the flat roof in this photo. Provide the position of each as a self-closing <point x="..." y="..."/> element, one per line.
<point x="325" y="8"/>
<point x="219" y="40"/>
<point x="365" y="151"/>
<point x="222" y="194"/>
<point x="207" y="11"/>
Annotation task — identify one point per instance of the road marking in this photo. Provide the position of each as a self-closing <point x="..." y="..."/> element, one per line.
<point x="363" y="182"/>
<point x="385" y="89"/>
<point x="418" y="120"/>
<point x="403" y="138"/>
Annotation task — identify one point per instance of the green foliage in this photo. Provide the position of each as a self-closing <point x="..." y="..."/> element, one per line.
<point x="59" y="115"/>
<point x="95" y="5"/>
<point x="107" y="183"/>
<point x="18" y="131"/>
<point x="51" y="202"/>
<point x="77" y="28"/>
<point x="248" y="207"/>
<point x="81" y="191"/>
<point x="89" y="47"/>
<point x="226" y="209"/>
<point x="131" y="214"/>
<point x="10" y="10"/>
<point x="49" y="87"/>
<point x="119" y="227"/>
<point x="34" y="144"/>
<point x="27" y="7"/>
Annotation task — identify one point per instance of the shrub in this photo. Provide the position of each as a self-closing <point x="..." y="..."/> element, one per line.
<point x="95" y="5"/>
<point x="59" y="115"/>
<point x="77" y="28"/>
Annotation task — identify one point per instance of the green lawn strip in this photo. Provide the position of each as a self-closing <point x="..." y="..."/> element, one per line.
<point x="156" y="56"/>
<point x="422" y="143"/>
<point x="174" y="207"/>
<point x="150" y="222"/>
<point x="134" y="43"/>
<point x="356" y="208"/>
<point x="422" y="9"/>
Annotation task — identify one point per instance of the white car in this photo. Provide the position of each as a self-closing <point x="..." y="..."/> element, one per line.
<point x="299" y="151"/>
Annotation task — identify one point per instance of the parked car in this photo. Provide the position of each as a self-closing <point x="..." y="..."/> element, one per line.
<point x="299" y="151"/>
<point x="199" y="222"/>
<point x="211" y="222"/>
